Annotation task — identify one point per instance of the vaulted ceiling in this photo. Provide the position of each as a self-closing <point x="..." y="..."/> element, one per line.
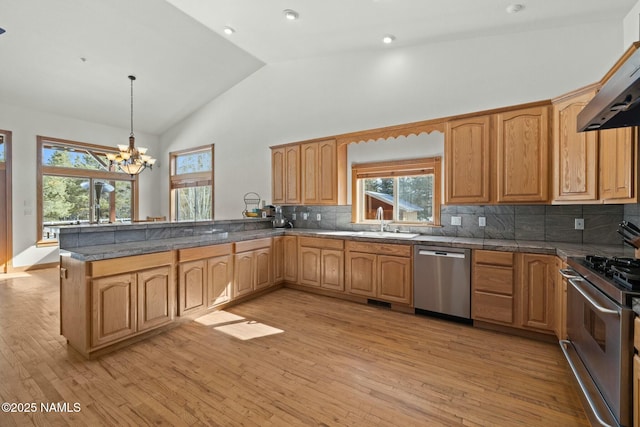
<point x="72" y="57"/>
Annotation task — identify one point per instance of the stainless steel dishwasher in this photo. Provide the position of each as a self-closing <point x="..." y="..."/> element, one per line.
<point x="442" y="281"/>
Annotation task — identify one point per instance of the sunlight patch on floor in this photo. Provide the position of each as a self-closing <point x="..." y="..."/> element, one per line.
<point x="218" y="318"/>
<point x="248" y="330"/>
<point x="6" y="276"/>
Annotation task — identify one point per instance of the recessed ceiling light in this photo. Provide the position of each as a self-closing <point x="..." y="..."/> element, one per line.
<point x="514" y="8"/>
<point x="228" y="30"/>
<point x="290" y="14"/>
<point x="389" y="38"/>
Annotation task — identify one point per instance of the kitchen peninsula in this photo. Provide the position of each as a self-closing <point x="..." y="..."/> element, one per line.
<point x="120" y="283"/>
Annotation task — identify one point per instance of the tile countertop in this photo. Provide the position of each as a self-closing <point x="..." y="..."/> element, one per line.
<point x="563" y="250"/>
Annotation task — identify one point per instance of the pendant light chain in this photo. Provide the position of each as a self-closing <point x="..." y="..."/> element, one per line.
<point x="132" y="78"/>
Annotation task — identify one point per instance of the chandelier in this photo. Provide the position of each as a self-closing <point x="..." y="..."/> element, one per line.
<point x="130" y="159"/>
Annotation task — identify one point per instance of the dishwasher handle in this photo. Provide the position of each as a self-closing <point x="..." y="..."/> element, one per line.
<point x="441" y="253"/>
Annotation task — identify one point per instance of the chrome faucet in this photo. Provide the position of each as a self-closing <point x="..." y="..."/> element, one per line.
<point x="380" y="216"/>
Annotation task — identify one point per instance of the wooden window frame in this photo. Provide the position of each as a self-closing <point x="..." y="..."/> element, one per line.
<point x="396" y="168"/>
<point x="43" y="170"/>
<point x="187" y="180"/>
<point x="8" y="232"/>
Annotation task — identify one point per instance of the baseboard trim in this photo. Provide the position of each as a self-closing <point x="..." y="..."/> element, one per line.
<point x="33" y="267"/>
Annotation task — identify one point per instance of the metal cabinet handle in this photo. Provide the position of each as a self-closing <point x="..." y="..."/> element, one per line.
<point x="441" y="253"/>
<point x="583" y="387"/>
<point x="590" y="299"/>
<point x="568" y="273"/>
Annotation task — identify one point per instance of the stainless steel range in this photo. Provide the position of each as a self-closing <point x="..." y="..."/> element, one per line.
<point x="600" y="331"/>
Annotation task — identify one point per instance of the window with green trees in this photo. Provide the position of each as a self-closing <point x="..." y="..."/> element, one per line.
<point x="77" y="186"/>
<point x="191" y="191"/>
<point x="406" y="191"/>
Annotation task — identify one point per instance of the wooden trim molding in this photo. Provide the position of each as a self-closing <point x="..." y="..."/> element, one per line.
<point x="8" y="265"/>
<point x="190" y="179"/>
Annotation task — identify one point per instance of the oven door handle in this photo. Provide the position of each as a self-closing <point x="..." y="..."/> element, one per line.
<point x="588" y="297"/>
<point x="568" y="273"/>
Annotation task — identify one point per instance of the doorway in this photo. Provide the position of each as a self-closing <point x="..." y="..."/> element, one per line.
<point x="5" y="196"/>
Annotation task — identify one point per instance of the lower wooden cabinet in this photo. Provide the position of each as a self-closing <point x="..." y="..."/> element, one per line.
<point x="321" y="263"/>
<point x="514" y="289"/>
<point x="204" y="277"/>
<point x="252" y="266"/>
<point x="137" y="297"/>
<point x="113" y="302"/>
<point x="379" y="271"/>
<point x="290" y="259"/>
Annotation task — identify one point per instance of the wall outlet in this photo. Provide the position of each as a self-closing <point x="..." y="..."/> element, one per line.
<point x="579" y="224"/>
<point x="456" y="220"/>
<point x="293" y="216"/>
<point x="305" y="215"/>
<point x="318" y="217"/>
<point x="482" y="221"/>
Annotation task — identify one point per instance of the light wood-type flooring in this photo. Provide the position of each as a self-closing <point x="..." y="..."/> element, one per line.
<point x="334" y="363"/>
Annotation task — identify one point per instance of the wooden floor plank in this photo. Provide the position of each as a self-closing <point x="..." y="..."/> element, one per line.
<point x="337" y="363"/>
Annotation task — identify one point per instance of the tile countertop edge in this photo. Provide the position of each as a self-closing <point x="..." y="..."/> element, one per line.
<point x="562" y="250"/>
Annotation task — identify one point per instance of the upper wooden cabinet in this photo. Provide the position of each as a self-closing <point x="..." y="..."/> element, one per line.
<point x="575" y="154"/>
<point x="595" y="166"/>
<point x="618" y="165"/>
<point x="498" y="158"/>
<point x="285" y="174"/>
<point x="319" y="173"/>
<point x="305" y="173"/>
<point x="522" y="155"/>
<point x="467" y="157"/>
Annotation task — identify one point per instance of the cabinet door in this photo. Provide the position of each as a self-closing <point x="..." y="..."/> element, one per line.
<point x="467" y="158"/>
<point x="332" y="269"/>
<point x="327" y="173"/>
<point x="537" y="280"/>
<point x="394" y="278"/>
<point x="522" y="155"/>
<point x="262" y="262"/>
<point x="278" y="259"/>
<point x="219" y="279"/>
<point x="361" y="273"/>
<point x="575" y="160"/>
<point x="278" y="175"/>
<point x="309" y="266"/>
<point x="113" y="307"/>
<point x="192" y="286"/>
<point x="617" y="163"/>
<point x="310" y="173"/>
<point x="292" y="192"/>
<point x="291" y="259"/>
<point x="243" y="275"/>
<point x="155" y="297"/>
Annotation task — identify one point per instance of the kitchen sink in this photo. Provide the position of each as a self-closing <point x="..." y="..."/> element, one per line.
<point x="376" y="234"/>
<point x="385" y="234"/>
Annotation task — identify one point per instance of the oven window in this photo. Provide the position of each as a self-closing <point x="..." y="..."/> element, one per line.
<point x="595" y="327"/>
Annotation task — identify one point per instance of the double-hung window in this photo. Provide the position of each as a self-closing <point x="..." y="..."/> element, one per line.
<point x="191" y="185"/>
<point x="404" y="191"/>
<point x="76" y="185"/>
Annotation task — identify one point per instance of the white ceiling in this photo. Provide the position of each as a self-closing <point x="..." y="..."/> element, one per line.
<point x="182" y="64"/>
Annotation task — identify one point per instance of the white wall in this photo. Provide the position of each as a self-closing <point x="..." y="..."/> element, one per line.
<point x="25" y="126"/>
<point x="631" y="26"/>
<point x="298" y="100"/>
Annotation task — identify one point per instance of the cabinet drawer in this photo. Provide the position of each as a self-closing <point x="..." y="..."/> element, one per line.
<point x="492" y="307"/>
<point x="380" y="249"/>
<point x="204" y="252"/>
<point x="250" y="245"/>
<point x="495" y="279"/>
<point x="636" y="333"/>
<point x="109" y="267"/>
<point x="493" y="258"/>
<point x="319" y="242"/>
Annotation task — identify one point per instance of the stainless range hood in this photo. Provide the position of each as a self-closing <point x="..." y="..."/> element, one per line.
<point x="617" y="104"/>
